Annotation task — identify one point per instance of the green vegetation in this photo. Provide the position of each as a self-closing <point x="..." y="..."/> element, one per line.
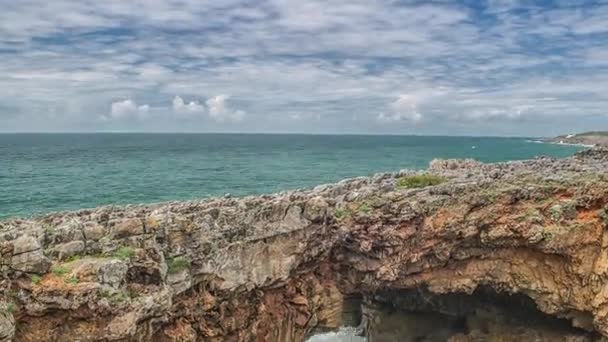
<point x="73" y="280"/>
<point x="365" y="209"/>
<point x="132" y="293"/>
<point x="114" y="297"/>
<point x="73" y="258"/>
<point x="419" y="181"/>
<point x="48" y="229"/>
<point x="11" y="307"/>
<point x="36" y="279"/>
<point x="531" y="215"/>
<point x="342" y="213"/>
<point x="124" y="253"/>
<point x="60" y="271"/>
<point x="119" y="297"/>
<point x="177" y="264"/>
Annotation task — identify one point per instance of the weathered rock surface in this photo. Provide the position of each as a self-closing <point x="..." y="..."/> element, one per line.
<point x="275" y="267"/>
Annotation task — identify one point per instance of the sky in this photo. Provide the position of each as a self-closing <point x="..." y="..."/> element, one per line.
<point x="496" y="67"/>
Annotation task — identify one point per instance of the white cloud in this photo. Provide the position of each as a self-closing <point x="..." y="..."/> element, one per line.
<point x="513" y="113"/>
<point x="220" y="112"/>
<point x="497" y="61"/>
<point x="407" y="106"/>
<point x="401" y="110"/>
<point x="127" y="109"/>
<point x="192" y="107"/>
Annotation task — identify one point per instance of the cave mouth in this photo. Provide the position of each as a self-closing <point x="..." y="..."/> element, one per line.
<point x="417" y="315"/>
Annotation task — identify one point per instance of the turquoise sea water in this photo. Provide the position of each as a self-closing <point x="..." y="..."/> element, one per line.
<point x="48" y="172"/>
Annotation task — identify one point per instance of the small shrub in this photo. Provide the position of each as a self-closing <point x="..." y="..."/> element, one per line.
<point x="73" y="258"/>
<point x="124" y="253"/>
<point x="177" y="264"/>
<point x="365" y="209"/>
<point x="11" y="307"/>
<point x="60" y="271"/>
<point x="341" y="213"/>
<point x="36" y="279"/>
<point x="73" y="280"/>
<point x="119" y="297"/>
<point x="419" y="181"/>
<point x="114" y="297"/>
<point x="49" y="230"/>
<point x="132" y="293"/>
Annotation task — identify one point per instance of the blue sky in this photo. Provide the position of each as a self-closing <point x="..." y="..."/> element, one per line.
<point x="320" y="66"/>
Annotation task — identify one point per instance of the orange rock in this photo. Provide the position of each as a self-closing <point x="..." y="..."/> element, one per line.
<point x="299" y="300"/>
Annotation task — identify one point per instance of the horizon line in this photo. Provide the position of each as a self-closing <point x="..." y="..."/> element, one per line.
<point x="275" y="133"/>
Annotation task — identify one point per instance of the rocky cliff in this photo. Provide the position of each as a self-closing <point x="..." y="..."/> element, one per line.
<point x="597" y="138"/>
<point x="276" y="267"/>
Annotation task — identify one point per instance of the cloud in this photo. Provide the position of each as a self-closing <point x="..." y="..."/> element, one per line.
<point x="451" y="64"/>
<point x="126" y="109"/>
<point x="405" y="108"/>
<point x="179" y="106"/>
<point x="220" y="112"/>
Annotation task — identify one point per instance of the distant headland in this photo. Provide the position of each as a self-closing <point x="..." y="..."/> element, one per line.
<point x="593" y="138"/>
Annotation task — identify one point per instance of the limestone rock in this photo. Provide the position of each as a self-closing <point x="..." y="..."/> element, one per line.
<point x="31" y="262"/>
<point x="25" y="244"/>
<point x="275" y="267"/>
<point x="93" y="231"/>
<point x="7" y="322"/>
<point x="316" y="209"/>
<point x="66" y="250"/>
<point x="128" y="227"/>
<point x="112" y="272"/>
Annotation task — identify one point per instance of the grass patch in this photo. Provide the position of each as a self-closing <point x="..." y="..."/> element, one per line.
<point x="36" y="279"/>
<point x="341" y="213"/>
<point x="177" y="264"/>
<point x="119" y="297"/>
<point x="11" y="307"/>
<point x="49" y="230"/>
<point x="419" y="181"/>
<point x="124" y="253"/>
<point x="60" y="271"/>
<point x="73" y="258"/>
<point x="132" y="293"/>
<point x="115" y="297"/>
<point x="365" y="209"/>
<point x="73" y="280"/>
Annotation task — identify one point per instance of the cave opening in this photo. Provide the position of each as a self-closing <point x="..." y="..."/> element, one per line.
<point x="417" y="315"/>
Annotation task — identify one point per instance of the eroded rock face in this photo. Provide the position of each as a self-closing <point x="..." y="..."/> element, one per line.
<point x="485" y="315"/>
<point x="275" y="267"/>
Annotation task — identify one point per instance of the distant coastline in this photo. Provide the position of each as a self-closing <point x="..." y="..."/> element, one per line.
<point x="548" y="141"/>
<point x="586" y="139"/>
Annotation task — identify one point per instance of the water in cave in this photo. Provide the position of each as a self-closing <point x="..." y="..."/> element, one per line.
<point x="419" y="316"/>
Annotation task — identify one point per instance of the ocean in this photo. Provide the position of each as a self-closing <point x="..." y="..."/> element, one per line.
<point x="41" y="173"/>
